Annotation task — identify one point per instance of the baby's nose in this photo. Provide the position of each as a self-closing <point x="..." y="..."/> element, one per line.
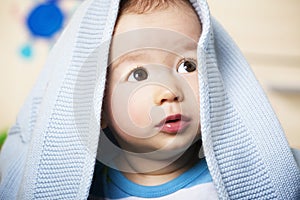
<point x="167" y="95"/>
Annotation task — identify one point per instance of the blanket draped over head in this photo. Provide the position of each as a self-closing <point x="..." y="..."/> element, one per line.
<point x="50" y="151"/>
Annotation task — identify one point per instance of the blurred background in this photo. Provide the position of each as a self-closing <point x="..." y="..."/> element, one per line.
<point x="268" y="32"/>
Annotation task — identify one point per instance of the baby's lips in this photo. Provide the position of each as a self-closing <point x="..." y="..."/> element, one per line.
<point x="174" y="124"/>
<point x="172" y="118"/>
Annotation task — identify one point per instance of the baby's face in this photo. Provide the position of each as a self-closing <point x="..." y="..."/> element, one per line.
<point x="152" y="100"/>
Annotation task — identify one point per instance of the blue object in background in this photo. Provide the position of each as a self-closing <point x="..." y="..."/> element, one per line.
<point x="26" y="51"/>
<point x="45" y="20"/>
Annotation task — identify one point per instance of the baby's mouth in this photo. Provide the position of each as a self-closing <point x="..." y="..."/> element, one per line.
<point x="173" y="123"/>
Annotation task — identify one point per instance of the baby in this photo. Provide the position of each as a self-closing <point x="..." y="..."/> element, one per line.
<point x="151" y="104"/>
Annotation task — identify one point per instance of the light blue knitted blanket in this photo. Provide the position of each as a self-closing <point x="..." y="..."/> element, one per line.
<point x="50" y="151"/>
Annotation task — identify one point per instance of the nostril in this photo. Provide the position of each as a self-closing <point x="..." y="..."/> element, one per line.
<point x="163" y="100"/>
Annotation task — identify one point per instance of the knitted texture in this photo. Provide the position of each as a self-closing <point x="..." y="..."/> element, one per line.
<point x="70" y="140"/>
<point x="56" y="134"/>
<point x="258" y="117"/>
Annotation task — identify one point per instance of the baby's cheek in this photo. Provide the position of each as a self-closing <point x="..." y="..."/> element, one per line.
<point x="139" y="107"/>
<point x="192" y="83"/>
<point x="131" y="106"/>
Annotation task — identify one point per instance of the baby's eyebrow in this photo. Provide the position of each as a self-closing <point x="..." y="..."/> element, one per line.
<point x="186" y="46"/>
<point x="132" y="56"/>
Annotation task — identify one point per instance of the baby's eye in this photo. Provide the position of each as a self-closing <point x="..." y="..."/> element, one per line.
<point x="187" y="66"/>
<point x="138" y="74"/>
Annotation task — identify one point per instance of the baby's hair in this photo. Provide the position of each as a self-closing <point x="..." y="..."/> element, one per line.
<point x="146" y="6"/>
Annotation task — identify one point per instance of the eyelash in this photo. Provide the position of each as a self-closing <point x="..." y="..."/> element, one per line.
<point x="134" y="68"/>
<point x="187" y="59"/>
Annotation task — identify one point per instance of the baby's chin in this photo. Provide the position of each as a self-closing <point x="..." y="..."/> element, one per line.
<point x="164" y="151"/>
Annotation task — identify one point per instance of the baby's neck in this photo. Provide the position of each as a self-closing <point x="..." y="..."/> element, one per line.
<point x="160" y="176"/>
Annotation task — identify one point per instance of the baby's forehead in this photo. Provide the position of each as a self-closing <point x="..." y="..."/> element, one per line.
<point x="150" y="39"/>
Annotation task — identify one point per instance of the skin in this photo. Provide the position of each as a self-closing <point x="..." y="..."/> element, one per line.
<point x="147" y="85"/>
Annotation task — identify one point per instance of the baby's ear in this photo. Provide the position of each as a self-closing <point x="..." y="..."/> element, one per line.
<point x="103" y="120"/>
